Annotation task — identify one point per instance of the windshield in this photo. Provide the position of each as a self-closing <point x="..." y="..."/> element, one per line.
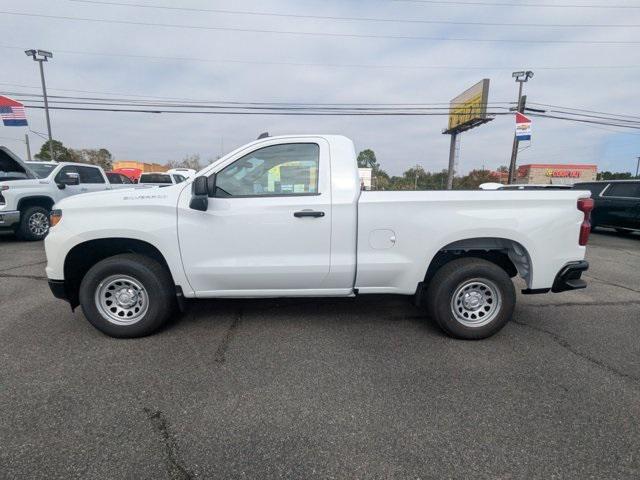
<point x="155" y="178"/>
<point x="42" y="170"/>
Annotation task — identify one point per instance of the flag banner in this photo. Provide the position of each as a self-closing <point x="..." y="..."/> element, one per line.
<point x="523" y="127"/>
<point x="12" y="113"/>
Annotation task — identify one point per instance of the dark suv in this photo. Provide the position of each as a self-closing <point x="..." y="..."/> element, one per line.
<point x="617" y="203"/>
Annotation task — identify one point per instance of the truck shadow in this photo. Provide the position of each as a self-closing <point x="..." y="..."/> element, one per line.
<point x="369" y="309"/>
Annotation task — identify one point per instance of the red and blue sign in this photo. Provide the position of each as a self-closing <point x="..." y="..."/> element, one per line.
<point x="523" y="127"/>
<point x="12" y="113"/>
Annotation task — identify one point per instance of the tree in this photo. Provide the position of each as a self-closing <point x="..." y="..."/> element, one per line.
<point x="100" y="157"/>
<point x="474" y="179"/>
<point x="367" y="159"/>
<point x="614" y="175"/>
<point x="190" y="161"/>
<point x="502" y="169"/>
<point x="60" y="152"/>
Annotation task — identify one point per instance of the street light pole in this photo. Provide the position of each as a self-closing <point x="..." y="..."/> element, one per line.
<point x="41" y="56"/>
<point x="521" y="78"/>
<point x="638" y="167"/>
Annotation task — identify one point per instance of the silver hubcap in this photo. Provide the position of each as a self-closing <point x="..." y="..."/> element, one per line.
<point x="121" y="299"/>
<point x="476" y="302"/>
<point x="38" y="224"/>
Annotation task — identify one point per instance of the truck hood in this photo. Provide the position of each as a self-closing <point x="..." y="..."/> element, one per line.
<point x="16" y="184"/>
<point x="130" y="197"/>
<point x="12" y="168"/>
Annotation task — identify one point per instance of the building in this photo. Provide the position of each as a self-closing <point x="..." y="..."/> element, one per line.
<point x="555" y="173"/>
<point x="133" y="169"/>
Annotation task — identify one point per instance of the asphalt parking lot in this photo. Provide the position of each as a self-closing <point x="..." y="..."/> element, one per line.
<point x="351" y="388"/>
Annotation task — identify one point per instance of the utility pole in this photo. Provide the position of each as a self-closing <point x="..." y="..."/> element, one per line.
<point x="452" y="159"/>
<point x="41" y="56"/>
<point x="638" y="168"/>
<point x="26" y="141"/>
<point x="521" y="78"/>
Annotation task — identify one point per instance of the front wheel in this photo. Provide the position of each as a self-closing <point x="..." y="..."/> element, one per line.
<point x="127" y="296"/>
<point x="471" y="298"/>
<point x="34" y="224"/>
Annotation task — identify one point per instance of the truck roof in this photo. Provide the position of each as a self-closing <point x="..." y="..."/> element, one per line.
<point x="49" y="162"/>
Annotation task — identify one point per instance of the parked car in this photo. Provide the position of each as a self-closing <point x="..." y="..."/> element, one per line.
<point x="617" y="203"/>
<point x="28" y="191"/>
<point x="119" y="180"/>
<point x="185" y="172"/>
<point x="285" y="217"/>
<point x="161" y="179"/>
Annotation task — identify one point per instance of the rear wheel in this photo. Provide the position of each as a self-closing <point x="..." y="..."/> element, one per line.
<point x="471" y="298"/>
<point x="127" y="296"/>
<point x="34" y="224"/>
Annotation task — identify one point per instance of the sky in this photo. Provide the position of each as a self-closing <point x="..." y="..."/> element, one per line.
<point x="238" y="66"/>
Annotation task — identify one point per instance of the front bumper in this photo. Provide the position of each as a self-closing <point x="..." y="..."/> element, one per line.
<point x="569" y="277"/>
<point x="58" y="289"/>
<point x="9" y="218"/>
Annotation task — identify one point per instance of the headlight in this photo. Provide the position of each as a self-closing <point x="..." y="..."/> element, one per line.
<point x="54" y="217"/>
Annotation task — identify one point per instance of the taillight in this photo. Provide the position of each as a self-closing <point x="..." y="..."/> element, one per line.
<point x="585" y="205"/>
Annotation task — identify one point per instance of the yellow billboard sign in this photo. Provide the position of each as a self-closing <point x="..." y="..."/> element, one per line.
<point x="469" y="109"/>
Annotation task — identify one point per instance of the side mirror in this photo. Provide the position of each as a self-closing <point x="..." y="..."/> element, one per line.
<point x="70" y="179"/>
<point x="199" y="194"/>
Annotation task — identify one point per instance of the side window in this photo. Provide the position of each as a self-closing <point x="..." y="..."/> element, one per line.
<point x="65" y="171"/>
<point x="290" y="169"/>
<point x="90" y="175"/>
<point x="114" y="178"/>
<point x="178" y="178"/>
<point x="625" y="189"/>
<point x="125" y="179"/>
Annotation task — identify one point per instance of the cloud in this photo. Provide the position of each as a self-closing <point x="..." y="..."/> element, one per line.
<point x="399" y="142"/>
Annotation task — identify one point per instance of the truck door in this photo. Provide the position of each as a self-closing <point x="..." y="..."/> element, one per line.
<point x="68" y="171"/>
<point x="268" y="224"/>
<point x="620" y="204"/>
<point x="91" y="179"/>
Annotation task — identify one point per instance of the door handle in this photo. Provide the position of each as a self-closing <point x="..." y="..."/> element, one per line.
<point x="308" y="213"/>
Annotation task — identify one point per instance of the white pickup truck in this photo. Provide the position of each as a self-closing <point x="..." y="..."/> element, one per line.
<point x="28" y="191"/>
<point x="285" y="217"/>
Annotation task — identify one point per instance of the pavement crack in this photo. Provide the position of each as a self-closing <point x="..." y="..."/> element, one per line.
<point x="583" y="304"/>
<point x="29" y="277"/>
<point x="177" y="469"/>
<point x="564" y="343"/>
<point x="606" y="282"/>
<point x="220" y="355"/>
<point x="42" y="262"/>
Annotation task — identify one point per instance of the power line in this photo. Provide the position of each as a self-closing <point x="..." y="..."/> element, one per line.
<point x="326" y="34"/>
<point x="302" y="106"/>
<point x="227" y="112"/>
<point x="583" y="110"/>
<point x="351" y="19"/>
<point x="596" y="122"/>
<point x="330" y="65"/>
<point x="321" y="113"/>
<point x="505" y="4"/>
<point x="233" y="102"/>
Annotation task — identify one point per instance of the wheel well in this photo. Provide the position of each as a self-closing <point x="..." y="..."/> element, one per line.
<point x="44" y="202"/>
<point x="85" y="255"/>
<point x="509" y="255"/>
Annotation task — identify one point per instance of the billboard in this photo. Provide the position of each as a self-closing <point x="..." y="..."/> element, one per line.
<point x="469" y="109"/>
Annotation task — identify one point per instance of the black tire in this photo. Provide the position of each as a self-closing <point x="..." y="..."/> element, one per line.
<point x="497" y="299"/>
<point x="156" y="286"/>
<point x="30" y="232"/>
